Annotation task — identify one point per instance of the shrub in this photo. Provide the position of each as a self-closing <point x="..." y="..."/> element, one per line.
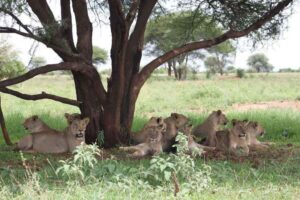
<point x="240" y="73"/>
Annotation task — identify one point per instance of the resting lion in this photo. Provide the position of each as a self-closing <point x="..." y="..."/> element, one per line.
<point x="232" y="139"/>
<point x="209" y="127"/>
<point x="253" y="130"/>
<point x="141" y="136"/>
<point x="34" y="124"/>
<point x="152" y="145"/>
<point x="54" y="141"/>
<point x="174" y="123"/>
<point x="187" y="130"/>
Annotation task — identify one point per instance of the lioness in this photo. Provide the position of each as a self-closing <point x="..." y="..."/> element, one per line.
<point x="174" y="123"/>
<point x="54" y="141"/>
<point x="187" y="130"/>
<point x="231" y="139"/>
<point x="152" y="146"/>
<point x="141" y="136"/>
<point x="33" y="124"/>
<point x="209" y="127"/>
<point x="253" y="130"/>
<point x="71" y="117"/>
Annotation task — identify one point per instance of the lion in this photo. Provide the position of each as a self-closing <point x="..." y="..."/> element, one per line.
<point x="174" y="123"/>
<point x="231" y="139"/>
<point x="152" y="145"/>
<point x="187" y="130"/>
<point x="141" y="136"/>
<point x="254" y="130"/>
<point x="209" y="127"/>
<point x="52" y="141"/>
<point x="33" y="124"/>
<point x="71" y="117"/>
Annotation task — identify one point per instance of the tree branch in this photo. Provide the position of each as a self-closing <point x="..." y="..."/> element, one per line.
<point x="43" y="95"/>
<point x="145" y="73"/>
<point x="132" y="11"/>
<point x="66" y="18"/>
<point x="75" y="66"/>
<point x="42" y="11"/>
<point x="18" y="21"/>
<point x="84" y="29"/>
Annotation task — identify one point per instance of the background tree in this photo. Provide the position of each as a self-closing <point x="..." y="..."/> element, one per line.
<point x="99" y="55"/>
<point x="260" y="63"/>
<point x="164" y="33"/>
<point x="10" y="65"/>
<point x="37" y="61"/>
<point x="111" y="109"/>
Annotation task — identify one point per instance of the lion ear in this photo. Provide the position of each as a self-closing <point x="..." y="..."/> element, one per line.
<point x="159" y="120"/>
<point x="219" y="112"/>
<point x="175" y="115"/>
<point x="233" y="121"/>
<point x="35" y="117"/>
<point x="86" y="120"/>
<point x="245" y="120"/>
<point x="67" y="115"/>
<point x="255" y="124"/>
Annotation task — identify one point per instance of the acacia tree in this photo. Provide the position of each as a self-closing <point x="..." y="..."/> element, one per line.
<point x="112" y="109"/>
<point x="260" y="63"/>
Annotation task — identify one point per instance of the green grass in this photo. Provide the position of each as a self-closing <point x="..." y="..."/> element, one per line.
<point x="275" y="177"/>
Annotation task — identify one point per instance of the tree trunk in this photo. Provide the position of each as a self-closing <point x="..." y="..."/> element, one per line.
<point x="87" y="91"/>
<point x="169" y="68"/>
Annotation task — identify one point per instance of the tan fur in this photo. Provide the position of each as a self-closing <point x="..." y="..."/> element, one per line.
<point x="232" y="139"/>
<point x="71" y="117"/>
<point x="174" y="123"/>
<point x="152" y="146"/>
<point x="153" y="122"/>
<point x="54" y="141"/>
<point x="254" y="130"/>
<point x="210" y="126"/>
<point x="187" y="130"/>
<point x="33" y="124"/>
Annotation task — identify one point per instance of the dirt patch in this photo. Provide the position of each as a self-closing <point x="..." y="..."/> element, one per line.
<point x="258" y="157"/>
<point x="267" y="105"/>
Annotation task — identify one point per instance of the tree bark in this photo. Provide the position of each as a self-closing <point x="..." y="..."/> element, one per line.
<point x="169" y="68"/>
<point x="3" y="127"/>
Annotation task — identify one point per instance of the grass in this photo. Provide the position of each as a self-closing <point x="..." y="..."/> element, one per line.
<point x="275" y="175"/>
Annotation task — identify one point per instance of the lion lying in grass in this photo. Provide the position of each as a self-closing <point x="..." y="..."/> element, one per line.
<point x="52" y="141"/>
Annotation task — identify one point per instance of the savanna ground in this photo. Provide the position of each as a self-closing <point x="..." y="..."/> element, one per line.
<point x="272" y="174"/>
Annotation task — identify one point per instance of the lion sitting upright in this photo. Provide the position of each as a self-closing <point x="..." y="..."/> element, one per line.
<point x="232" y="139"/>
<point x="51" y="141"/>
<point x="209" y="127"/>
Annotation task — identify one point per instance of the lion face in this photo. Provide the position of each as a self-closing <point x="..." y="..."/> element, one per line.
<point x="78" y="127"/>
<point x="254" y="129"/>
<point x="156" y="122"/>
<point x="239" y="129"/>
<point x="179" y="119"/>
<point x="220" y="117"/>
<point x="33" y="124"/>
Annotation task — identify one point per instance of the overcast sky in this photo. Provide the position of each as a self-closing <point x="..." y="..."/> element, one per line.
<point x="282" y="53"/>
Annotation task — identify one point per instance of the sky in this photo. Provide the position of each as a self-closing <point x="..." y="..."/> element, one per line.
<point x="282" y="53"/>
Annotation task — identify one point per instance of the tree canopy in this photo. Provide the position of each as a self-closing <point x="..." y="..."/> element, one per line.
<point x="10" y="65"/>
<point x="260" y="63"/>
<point x="99" y="55"/>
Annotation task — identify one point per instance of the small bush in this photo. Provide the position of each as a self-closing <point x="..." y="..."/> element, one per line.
<point x="240" y="73"/>
<point x="81" y="165"/>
